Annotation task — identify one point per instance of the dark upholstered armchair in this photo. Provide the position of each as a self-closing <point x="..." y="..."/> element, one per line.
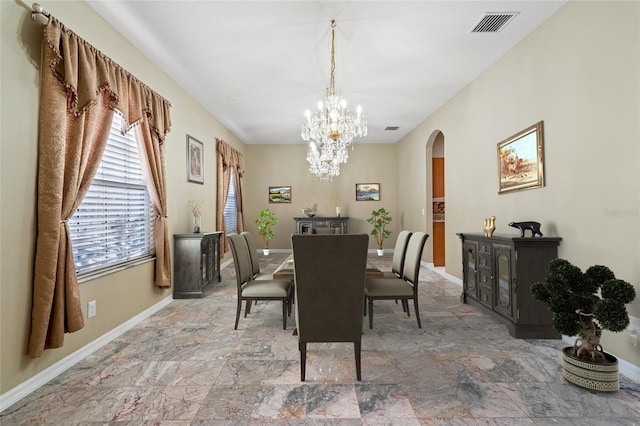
<point x="405" y="288"/>
<point x="249" y="289"/>
<point x="329" y="290"/>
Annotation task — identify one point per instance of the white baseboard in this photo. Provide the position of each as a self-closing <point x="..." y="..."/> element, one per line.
<point x="441" y="271"/>
<point x="14" y="395"/>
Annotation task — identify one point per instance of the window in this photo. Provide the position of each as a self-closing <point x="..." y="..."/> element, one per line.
<point x="231" y="209"/>
<point x="115" y="221"/>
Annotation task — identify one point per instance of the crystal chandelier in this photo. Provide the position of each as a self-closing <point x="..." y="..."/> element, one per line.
<point x="331" y="129"/>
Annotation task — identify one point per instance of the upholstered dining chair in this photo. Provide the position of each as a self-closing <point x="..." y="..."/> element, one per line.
<point x="405" y="288"/>
<point x="329" y="290"/>
<point x="250" y="290"/>
<point x="397" y="262"/>
<point x="256" y="274"/>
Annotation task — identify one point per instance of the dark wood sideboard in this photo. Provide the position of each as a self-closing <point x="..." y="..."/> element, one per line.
<point x="196" y="264"/>
<point x="498" y="272"/>
<point x="304" y="224"/>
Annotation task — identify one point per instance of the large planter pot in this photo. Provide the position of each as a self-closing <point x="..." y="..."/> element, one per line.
<point x="380" y="252"/>
<point x="601" y="377"/>
<point x="265" y="252"/>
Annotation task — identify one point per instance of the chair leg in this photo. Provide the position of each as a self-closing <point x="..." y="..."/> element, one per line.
<point x="238" y="309"/>
<point x="405" y="307"/>
<point x="357" y="350"/>
<point x="247" y="308"/>
<point x="303" y="360"/>
<point x="284" y="313"/>
<point x="370" y="313"/>
<point x="364" y="302"/>
<point x="415" y="304"/>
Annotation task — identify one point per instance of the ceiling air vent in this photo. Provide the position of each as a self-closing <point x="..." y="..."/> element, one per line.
<point x="392" y="128"/>
<point x="493" y="22"/>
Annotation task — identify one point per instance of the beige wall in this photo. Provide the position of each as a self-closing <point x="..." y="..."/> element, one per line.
<point x="286" y="165"/>
<point x="580" y="73"/>
<point x="119" y="296"/>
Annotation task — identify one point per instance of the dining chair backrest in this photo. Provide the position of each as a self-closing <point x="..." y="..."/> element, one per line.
<point x="413" y="257"/>
<point x="253" y="252"/>
<point x="399" y="253"/>
<point x="241" y="259"/>
<point x="329" y="286"/>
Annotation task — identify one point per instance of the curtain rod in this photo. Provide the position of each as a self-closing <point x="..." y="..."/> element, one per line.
<point x="39" y="10"/>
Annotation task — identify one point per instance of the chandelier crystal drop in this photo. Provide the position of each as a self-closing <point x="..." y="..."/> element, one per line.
<point x="331" y="129"/>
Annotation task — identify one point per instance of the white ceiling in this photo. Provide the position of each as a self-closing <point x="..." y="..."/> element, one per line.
<point x="257" y="65"/>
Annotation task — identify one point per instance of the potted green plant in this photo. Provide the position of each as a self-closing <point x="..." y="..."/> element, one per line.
<point x="584" y="304"/>
<point x="265" y="221"/>
<point x="380" y="219"/>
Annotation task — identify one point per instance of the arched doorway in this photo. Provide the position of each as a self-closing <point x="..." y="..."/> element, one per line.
<point x="438" y="199"/>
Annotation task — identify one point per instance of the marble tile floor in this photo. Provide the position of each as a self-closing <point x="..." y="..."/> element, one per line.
<point x="187" y="366"/>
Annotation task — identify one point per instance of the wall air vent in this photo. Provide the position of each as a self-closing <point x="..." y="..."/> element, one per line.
<point x="392" y="128"/>
<point x="493" y="22"/>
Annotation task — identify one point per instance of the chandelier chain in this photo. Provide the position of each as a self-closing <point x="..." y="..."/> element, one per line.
<point x="332" y="81"/>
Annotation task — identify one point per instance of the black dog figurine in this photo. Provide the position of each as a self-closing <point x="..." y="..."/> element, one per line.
<point x="534" y="227"/>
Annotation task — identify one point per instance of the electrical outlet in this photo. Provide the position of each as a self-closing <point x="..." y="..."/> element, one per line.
<point x="91" y="309"/>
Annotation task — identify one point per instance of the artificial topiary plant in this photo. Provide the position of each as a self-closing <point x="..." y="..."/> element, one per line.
<point x="265" y="221"/>
<point x="584" y="304"/>
<point x="380" y="219"/>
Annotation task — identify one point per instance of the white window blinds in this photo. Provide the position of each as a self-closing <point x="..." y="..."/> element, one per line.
<point x="231" y="208"/>
<point x="115" y="221"/>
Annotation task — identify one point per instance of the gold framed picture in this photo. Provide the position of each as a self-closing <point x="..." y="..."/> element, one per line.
<point x="195" y="160"/>
<point x="521" y="160"/>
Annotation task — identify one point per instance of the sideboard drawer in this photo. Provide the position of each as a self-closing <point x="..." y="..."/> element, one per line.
<point x="484" y="248"/>
<point x="484" y="260"/>
<point x="486" y="278"/>
<point x="486" y="295"/>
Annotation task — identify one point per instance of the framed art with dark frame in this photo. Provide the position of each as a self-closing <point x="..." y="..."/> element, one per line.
<point x="280" y="194"/>
<point x="367" y="192"/>
<point x="195" y="160"/>
<point x="521" y="160"/>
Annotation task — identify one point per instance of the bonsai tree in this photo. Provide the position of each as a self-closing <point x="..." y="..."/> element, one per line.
<point x="584" y="304"/>
<point x="265" y="221"/>
<point x="380" y="219"/>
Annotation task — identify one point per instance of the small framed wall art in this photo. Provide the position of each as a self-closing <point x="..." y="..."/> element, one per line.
<point x="280" y="194"/>
<point x="195" y="160"/>
<point x="521" y="160"/>
<point x="367" y="192"/>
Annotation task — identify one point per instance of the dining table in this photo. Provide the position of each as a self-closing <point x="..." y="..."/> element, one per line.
<point x="286" y="272"/>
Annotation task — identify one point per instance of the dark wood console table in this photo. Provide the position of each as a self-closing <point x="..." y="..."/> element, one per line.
<point x="304" y="224"/>
<point x="196" y="263"/>
<point x="498" y="272"/>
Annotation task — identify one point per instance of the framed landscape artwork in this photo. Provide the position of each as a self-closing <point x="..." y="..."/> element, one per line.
<point x="195" y="160"/>
<point x="521" y="160"/>
<point x="367" y="192"/>
<point x="280" y="194"/>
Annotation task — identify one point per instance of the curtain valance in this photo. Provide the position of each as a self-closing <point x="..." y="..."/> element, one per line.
<point x="231" y="157"/>
<point x="86" y="73"/>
